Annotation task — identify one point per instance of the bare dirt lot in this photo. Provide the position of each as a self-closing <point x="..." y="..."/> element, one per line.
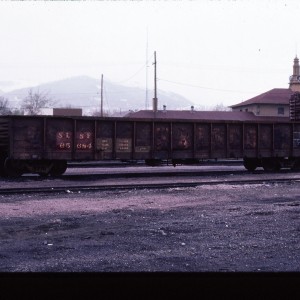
<point x="217" y="228"/>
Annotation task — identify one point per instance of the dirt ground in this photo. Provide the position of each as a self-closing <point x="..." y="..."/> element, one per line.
<point x="218" y="228"/>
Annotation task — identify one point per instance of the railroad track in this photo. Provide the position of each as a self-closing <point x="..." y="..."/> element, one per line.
<point x="150" y="173"/>
<point x="124" y="164"/>
<point x="147" y="185"/>
<point x="132" y="172"/>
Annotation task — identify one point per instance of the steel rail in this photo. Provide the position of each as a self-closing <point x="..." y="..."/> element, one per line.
<point x="130" y="186"/>
<point x="105" y="174"/>
<point x="174" y="173"/>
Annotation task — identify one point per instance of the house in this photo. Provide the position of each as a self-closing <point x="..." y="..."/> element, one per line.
<point x="275" y="102"/>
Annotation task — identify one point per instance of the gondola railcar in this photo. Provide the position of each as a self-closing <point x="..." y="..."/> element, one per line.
<point x="44" y="144"/>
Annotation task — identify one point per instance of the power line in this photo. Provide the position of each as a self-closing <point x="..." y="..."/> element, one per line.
<point x="145" y="65"/>
<point x="202" y="87"/>
<point x="141" y="69"/>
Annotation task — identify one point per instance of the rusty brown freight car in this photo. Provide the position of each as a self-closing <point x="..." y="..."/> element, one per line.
<point x="44" y="144"/>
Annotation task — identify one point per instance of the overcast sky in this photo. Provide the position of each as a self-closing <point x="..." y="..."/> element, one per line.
<point x="211" y="52"/>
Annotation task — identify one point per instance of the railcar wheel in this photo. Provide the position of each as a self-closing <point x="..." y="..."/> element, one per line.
<point x="296" y="165"/>
<point x="271" y="165"/>
<point x="2" y="161"/>
<point x="250" y="164"/>
<point x="59" y="168"/>
<point x="12" y="168"/>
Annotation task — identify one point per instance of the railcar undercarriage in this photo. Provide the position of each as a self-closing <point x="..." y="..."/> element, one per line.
<point x="272" y="164"/>
<point x="15" y="168"/>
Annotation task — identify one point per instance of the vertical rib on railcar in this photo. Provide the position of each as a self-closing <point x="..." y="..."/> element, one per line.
<point x="4" y="136"/>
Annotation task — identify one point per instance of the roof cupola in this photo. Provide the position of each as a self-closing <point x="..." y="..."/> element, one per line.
<point x="295" y="78"/>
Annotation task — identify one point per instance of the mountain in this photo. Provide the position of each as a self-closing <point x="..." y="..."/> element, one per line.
<point x="84" y="92"/>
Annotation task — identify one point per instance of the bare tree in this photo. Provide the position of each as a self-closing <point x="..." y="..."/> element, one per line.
<point x="97" y="113"/>
<point x="221" y="107"/>
<point x="35" y="101"/>
<point x="4" y="110"/>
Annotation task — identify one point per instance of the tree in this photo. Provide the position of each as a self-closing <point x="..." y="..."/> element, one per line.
<point x="221" y="107"/>
<point x="4" y="110"/>
<point x="35" y="101"/>
<point x="97" y="113"/>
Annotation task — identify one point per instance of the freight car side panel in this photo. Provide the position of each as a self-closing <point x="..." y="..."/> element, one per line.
<point x="84" y="140"/>
<point x="4" y="137"/>
<point x="162" y="140"/>
<point x="182" y="140"/>
<point x="282" y="140"/>
<point x="268" y="140"/>
<point x="124" y="138"/>
<point x="27" y="141"/>
<point x="265" y="140"/>
<point x="235" y="142"/>
<point x="69" y="139"/>
<point x="105" y="136"/>
<point x="202" y="141"/>
<point x="250" y="140"/>
<point x="218" y="140"/>
<point x="296" y="140"/>
<point x="143" y="140"/>
<point x="59" y="139"/>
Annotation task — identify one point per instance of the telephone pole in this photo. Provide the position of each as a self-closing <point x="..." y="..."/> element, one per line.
<point x="155" y="87"/>
<point x="101" y="114"/>
<point x="146" y="102"/>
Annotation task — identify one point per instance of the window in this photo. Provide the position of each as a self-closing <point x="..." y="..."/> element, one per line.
<point x="280" y="111"/>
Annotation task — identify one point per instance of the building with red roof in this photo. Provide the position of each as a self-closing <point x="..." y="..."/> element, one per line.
<point x="275" y="102"/>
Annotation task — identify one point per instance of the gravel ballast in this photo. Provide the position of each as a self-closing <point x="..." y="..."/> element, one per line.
<point x="210" y="228"/>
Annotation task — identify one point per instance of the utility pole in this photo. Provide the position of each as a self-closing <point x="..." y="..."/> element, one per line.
<point x="155" y="87"/>
<point x="146" y="104"/>
<point x="101" y="96"/>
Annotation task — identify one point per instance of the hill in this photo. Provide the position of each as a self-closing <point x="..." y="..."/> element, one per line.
<point x="84" y="92"/>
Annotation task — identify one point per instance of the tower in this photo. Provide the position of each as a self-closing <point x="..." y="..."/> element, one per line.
<point x="295" y="78"/>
